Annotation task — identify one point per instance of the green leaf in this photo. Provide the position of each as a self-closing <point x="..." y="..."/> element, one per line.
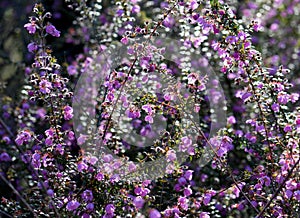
<point x="214" y="3"/>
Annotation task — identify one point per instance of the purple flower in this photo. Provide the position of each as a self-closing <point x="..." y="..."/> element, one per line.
<point x="48" y="141"/>
<point x="182" y="181"/>
<point x="45" y="86"/>
<point x="177" y="187"/>
<point x="124" y="40"/>
<point x="31" y="27"/>
<point x="297" y="195"/>
<point x="145" y="130"/>
<point x="120" y="12"/>
<point x="110" y="96"/>
<point x="52" y="30"/>
<point x="275" y="107"/>
<point x="50" y="192"/>
<point x="110" y="209"/>
<point x="154" y="213"/>
<point x="246" y="96"/>
<point x="5" y="157"/>
<point x="32" y="47"/>
<point x="133" y="113"/>
<point x="24" y="136"/>
<point x="135" y="9"/>
<point x="149" y="119"/>
<point x="87" y="195"/>
<point x="131" y="167"/>
<point x="169" y="21"/>
<point x="82" y="166"/>
<point x="99" y="176"/>
<point x="81" y="139"/>
<point x="257" y="26"/>
<point x="187" y="192"/>
<point x="188" y="175"/>
<point x="68" y="113"/>
<point x="107" y="158"/>
<point x="288" y="194"/>
<point x="147" y="108"/>
<point x="144" y="192"/>
<point x="231" y="120"/>
<point x="73" y="205"/>
<point x="71" y="70"/>
<point x="90" y="206"/>
<point x="282" y="98"/>
<point x="138" y="202"/>
<point x="85" y="215"/>
<point x="206" y="199"/>
<point x="287" y="128"/>
<point x="183" y="203"/>
<point x="204" y="215"/>
<point x="171" y="155"/>
<point x="186" y="142"/>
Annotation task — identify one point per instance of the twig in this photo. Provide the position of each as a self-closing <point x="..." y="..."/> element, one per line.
<point x="29" y="165"/>
<point x="18" y="194"/>
<point x="278" y="190"/>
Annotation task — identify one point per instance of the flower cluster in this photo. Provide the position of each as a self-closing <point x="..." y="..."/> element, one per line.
<point x="151" y="148"/>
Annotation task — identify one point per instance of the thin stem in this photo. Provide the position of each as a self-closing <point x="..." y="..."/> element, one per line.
<point x="18" y="194"/>
<point x="278" y="190"/>
<point x="6" y="214"/>
<point x="32" y="170"/>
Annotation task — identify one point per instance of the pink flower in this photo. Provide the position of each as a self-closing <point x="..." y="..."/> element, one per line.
<point x="231" y="120"/>
<point x="294" y="97"/>
<point x="124" y="40"/>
